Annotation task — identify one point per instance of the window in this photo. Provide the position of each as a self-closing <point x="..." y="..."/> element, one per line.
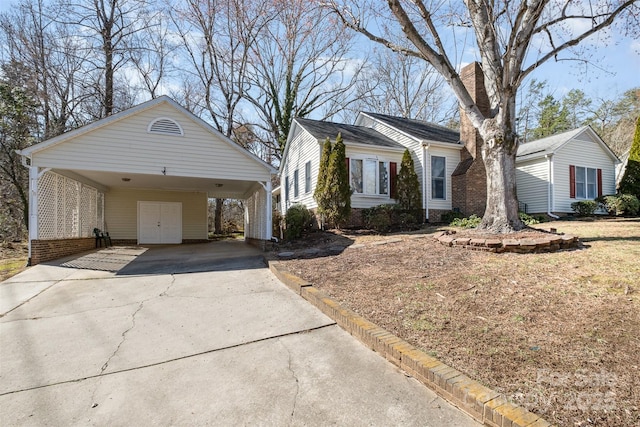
<point x="307" y="177"/>
<point x="586" y="183"/>
<point x="295" y="184"/>
<point x="369" y="176"/>
<point x="438" y="179"/>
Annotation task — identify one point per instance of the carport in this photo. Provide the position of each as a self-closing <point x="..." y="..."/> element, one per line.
<point x="144" y="175"/>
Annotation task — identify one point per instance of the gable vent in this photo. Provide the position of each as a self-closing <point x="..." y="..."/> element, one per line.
<point x="165" y="126"/>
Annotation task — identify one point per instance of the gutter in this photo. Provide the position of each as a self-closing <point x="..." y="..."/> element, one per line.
<point x="550" y="180"/>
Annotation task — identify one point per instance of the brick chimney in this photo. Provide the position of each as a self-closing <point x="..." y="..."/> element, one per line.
<point x="469" y="181"/>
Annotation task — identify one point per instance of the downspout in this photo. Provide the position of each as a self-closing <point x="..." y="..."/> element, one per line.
<point x="550" y="198"/>
<point x="425" y="198"/>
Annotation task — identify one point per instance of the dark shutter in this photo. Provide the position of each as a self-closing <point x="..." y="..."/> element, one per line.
<point x="346" y="160"/>
<point x="572" y="181"/>
<point x="393" y="171"/>
<point x="599" y="182"/>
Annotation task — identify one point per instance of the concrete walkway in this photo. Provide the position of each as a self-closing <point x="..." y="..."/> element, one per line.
<point x="188" y="335"/>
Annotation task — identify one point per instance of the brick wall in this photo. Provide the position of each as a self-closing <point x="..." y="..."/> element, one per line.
<point x="469" y="180"/>
<point x="46" y="250"/>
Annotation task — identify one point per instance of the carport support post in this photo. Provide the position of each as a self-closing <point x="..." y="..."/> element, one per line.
<point x="33" y="206"/>
<point x="269" y="216"/>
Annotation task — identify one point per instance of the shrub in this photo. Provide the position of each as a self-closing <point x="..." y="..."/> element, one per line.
<point x="298" y="219"/>
<point x="377" y="218"/>
<point x="528" y="219"/>
<point x="620" y="204"/>
<point x="472" y="222"/>
<point x="584" y="207"/>
<point x="448" y="217"/>
<point x="277" y="221"/>
<point x="384" y="218"/>
<point x="408" y="186"/>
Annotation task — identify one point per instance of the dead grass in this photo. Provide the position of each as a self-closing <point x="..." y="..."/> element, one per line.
<point x="13" y="259"/>
<point x="556" y="333"/>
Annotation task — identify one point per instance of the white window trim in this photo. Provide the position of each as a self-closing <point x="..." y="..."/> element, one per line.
<point x="586" y="183"/>
<point x="378" y="160"/>
<point x="431" y="178"/>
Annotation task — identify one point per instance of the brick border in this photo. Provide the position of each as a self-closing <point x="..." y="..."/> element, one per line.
<point x="545" y="243"/>
<point x="482" y="403"/>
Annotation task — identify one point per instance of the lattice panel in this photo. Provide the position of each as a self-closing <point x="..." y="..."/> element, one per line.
<point x="256" y="222"/>
<point x="72" y="210"/>
<point x="100" y="210"/>
<point x="47" y="185"/>
<point x="88" y="210"/>
<point x="67" y="208"/>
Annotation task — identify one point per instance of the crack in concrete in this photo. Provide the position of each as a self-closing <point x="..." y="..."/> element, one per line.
<point x="24" y="319"/>
<point x="150" y="365"/>
<point x="36" y="295"/>
<point x="124" y="337"/>
<point x="133" y="323"/>
<point x="165" y="292"/>
<point x="295" y="377"/>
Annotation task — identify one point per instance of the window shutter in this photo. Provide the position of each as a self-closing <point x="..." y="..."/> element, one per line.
<point x="346" y="160"/>
<point x="599" y="182"/>
<point x="572" y="181"/>
<point x="393" y="171"/>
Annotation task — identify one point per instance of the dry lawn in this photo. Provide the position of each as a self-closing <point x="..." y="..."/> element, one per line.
<point x="558" y="333"/>
<point x="13" y="259"/>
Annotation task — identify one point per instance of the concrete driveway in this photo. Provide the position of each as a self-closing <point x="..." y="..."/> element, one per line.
<point x="188" y="335"/>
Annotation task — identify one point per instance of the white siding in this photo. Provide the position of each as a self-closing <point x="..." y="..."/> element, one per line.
<point x="414" y="146"/>
<point x="121" y="211"/>
<point x="361" y="201"/>
<point x="452" y="159"/>
<point x="583" y="153"/>
<point x="303" y="148"/>
<point x="126" y="146"/>
<point x="532" y="179"/>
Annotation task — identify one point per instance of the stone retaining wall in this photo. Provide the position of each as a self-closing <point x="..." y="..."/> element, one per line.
<point x="550" y="243"/>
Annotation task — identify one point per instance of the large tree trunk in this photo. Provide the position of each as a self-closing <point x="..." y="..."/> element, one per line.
<point x="217" y="219"/>
<point x="499" y="155"/>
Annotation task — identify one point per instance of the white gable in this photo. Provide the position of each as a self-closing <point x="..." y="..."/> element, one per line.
<point x="161" y="139"/>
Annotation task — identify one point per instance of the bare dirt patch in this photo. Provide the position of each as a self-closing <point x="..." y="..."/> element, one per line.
<point x="557" y="333"/>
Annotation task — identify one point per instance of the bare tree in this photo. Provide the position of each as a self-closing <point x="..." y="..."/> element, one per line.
<point x="300" y="65"/>
<point x="152" y="52"/>
<point x="17" y="127"/>
<point x="400" y="85"/>
<point x="512" y="39"/>
<point x="108" y="27"/>
<point x="54" y="60"/>
<point x="216" y="39"/>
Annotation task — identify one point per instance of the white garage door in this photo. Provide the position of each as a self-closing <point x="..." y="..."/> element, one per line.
<point x="159" y="222"/>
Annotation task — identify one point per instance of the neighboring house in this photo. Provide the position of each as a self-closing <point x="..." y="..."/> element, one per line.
<point x="144" y="175"/>
<point x="553" y="172"/>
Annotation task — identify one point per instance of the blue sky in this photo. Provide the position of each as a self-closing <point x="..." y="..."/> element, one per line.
<point x="614" y="67"/>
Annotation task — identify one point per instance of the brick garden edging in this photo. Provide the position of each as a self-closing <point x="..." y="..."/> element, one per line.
<point x="550" y="243"/>
<point x="482" y="403"/>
